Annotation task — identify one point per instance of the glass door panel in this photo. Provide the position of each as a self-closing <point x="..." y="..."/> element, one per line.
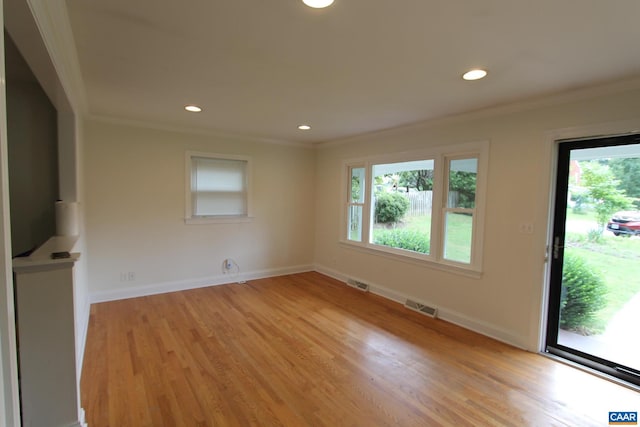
<point x="594" y="305"/>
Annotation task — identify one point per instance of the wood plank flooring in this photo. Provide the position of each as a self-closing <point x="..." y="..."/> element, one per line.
<point x="306" y="350"/>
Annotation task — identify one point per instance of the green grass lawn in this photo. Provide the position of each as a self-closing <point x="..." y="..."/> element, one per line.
<point x="616" y="259"/>
<point x="420" y="223"/>
<point x="586" y="215"/>
<point x="458" y="236"/>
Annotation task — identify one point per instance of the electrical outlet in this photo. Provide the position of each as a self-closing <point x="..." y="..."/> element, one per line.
<point x="228" y="264"/>
<point x="127" y="276"/>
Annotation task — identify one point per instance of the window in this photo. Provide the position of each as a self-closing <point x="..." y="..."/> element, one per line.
<point x="217" y="188"/>
<point x="356" y="203"/>
<point x="402" y="202"/>
<point x="460" y="209"/>
<point x="423" y="206"/>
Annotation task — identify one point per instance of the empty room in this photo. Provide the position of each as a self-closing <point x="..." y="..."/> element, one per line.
<point x="320" y="213"/>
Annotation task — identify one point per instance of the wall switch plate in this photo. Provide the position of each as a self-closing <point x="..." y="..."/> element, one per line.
<point x="526" y="228"/>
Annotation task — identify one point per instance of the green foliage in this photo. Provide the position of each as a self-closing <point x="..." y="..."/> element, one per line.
<point x="390" y="207"/>
<point x="421" y="180"/>
<point x="627" y="171"/>
<point x="595" y="236"/>
<point x="355" y="188"/>
<point x="580" y="198"/>
<point x="617" y="260"/>
<point x="465" y="184"/>
<point x="583" y="293"/>
<point x="403" y="238"/>
<point x="357" y="184"/>
<point x="602" y="187"/>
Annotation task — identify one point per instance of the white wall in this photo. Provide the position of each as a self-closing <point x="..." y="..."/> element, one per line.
<point x="71" y="147"/>
<point x="506" y="301"/>
<point x="134" y="180"/>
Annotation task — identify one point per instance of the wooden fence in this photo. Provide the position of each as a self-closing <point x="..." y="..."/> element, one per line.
<point x="420" y="202"/>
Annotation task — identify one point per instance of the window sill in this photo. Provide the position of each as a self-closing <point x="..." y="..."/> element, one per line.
<point x="218" y="220"/>
<point x="412" y="259"/>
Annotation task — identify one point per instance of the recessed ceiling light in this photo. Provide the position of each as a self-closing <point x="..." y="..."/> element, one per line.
<point x="476" y="74"/>
<point x="193" y="108"/>
<point x="304" y="127"/>
<point x="318" y="4"/>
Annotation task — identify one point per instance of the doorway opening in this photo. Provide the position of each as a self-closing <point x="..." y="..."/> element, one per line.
<point x="594" y="294"/>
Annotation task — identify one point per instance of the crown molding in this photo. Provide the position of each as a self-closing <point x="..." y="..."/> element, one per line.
<point x="52" y="19"/>
<point x="195" y="131"/>
<point x="546" y="100"/>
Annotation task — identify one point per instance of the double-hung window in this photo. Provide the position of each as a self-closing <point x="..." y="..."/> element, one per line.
<point x="217" y="188"/>
<point x="355" y="205"/>
<point x="424" y="206"/>
<point x="459" y="209"/>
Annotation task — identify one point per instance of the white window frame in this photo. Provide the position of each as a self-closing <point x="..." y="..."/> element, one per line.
<point x="350" y="203"/>
<point x="446" y="209"/>
<point x="441" y="156"/>
<point x="190" y="218"/>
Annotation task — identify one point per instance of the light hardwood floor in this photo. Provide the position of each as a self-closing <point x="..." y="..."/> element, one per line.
<point x="306" y="350"/>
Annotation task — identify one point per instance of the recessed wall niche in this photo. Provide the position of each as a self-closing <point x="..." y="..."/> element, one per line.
<point x="32" y="136"/>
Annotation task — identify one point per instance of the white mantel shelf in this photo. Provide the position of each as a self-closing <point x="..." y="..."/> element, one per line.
<point x="41" y="259"/>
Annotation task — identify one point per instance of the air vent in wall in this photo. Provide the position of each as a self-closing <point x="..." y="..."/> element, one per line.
<point x="421" y="308"/>
<point x="358" y="285"/>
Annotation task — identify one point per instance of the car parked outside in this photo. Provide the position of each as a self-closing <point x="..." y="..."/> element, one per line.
<point x="625" y="223"/>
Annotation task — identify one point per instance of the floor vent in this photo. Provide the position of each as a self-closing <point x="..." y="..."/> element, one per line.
<point x="358" y="285"/>
<point x="421" y="308"/>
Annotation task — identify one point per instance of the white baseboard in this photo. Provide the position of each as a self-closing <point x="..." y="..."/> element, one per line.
<point x="181" y="285"/>
<point x="444" y="313"/>
<point x="450" y="316"/>
<point x="481" y="327"/>
<point x="81" y="420"/>
<point x="83" y="325"/>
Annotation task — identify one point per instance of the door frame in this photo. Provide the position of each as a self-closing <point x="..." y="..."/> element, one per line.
<point x="554" y="138"/>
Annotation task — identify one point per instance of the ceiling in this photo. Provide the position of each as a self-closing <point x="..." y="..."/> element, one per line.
<point x="260" y="68"/>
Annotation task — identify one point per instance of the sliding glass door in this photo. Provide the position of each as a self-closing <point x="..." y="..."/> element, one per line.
<point x="594" y="299"/>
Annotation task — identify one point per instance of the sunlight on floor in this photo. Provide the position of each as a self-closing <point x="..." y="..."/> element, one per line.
<point x="589" y="394"/>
